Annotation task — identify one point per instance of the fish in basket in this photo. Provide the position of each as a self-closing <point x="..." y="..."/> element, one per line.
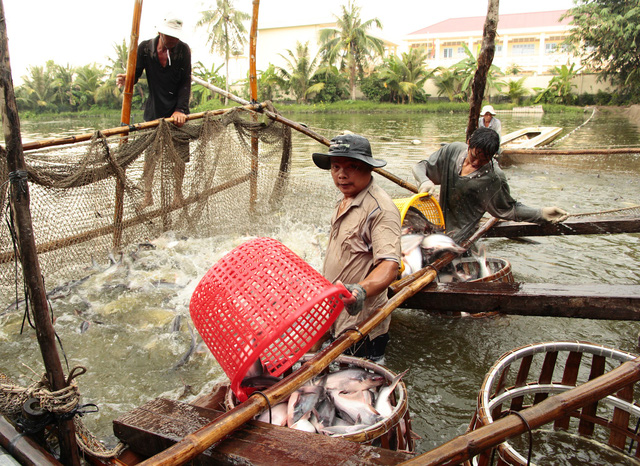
<point x="354" y="399"/>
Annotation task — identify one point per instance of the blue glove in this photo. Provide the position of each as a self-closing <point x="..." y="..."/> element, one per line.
<point x="358" y="295"/>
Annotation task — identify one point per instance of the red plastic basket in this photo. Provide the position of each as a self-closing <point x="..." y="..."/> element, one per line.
<point x="262" y="300"/>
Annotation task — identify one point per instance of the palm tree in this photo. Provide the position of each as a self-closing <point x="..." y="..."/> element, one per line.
<point x="37" y="91"/>
<point x="226" y="31"/>
<point x="448" y="83"/>
<point x="299" y="72"/>
<point x="350" y="44"/>
<point x="467" y="69"/>
<point x="63" y="86"/>
<point x="406" y="76"/>
<point x="119" y="65"/>
<point x="516" y="90"/>
<point x="202" y="94"/>
<point x="88" y="80"/>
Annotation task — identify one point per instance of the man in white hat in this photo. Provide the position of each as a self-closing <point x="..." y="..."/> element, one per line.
<point x="488" y="120"/>
<point x="167" y="61"/>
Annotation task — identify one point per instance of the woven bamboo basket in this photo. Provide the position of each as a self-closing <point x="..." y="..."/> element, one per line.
<point x="393" y="432"/>
<point x="528" y="375"/>
<point x="500" y="269"/>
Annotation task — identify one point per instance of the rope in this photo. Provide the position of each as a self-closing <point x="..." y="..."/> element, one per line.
<point x="528" y="430"/>
<point x="606" y="212"/>
<point x="553" y="143"/>
<point x="64" y="403"/>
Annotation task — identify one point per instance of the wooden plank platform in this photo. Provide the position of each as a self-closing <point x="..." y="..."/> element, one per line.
<point x="596" y="225"/>
<point x="605" y="302"/>
<point x="160" y="423"/>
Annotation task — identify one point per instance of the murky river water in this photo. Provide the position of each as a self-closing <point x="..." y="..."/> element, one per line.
<point x="121" y="322"/>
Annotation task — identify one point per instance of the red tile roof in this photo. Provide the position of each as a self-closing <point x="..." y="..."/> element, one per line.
<point x="510" y="21"/>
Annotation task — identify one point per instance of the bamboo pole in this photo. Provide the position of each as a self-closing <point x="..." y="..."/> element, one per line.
<point x="20" y="212"/>
<point x="465" y="447"/>
<point x="253" y="83"/>
<point x="304" y="130"/>
<point x="542" y="152"/>
<point x="44" y="143"/>
<point x="197" y="442"/>
<point x="125" y="118"/>
<point x="448" y="257"/>
<point x="484" y="63"/>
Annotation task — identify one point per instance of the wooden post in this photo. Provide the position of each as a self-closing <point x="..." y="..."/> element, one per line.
<point x="125" y="118"/>
<point x="19" y="202"/>
<point x="484" y="63"/>
<point x="253" y="82"/>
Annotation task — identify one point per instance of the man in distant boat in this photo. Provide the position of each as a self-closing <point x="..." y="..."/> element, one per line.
<point x="364" y="244"/>
<point x="167" y="61"/>
<point x="488" y="120"/>
<point x="472" y="183"/>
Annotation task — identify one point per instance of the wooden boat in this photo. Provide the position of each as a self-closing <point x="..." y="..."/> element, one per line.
<point x="229" y="431"/>
<point x="530" y="137"/>
<point x="523" y="140"/>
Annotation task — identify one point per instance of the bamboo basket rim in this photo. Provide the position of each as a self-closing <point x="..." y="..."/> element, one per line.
<point x="487" y="402"/>
<point x="375" y="430"/>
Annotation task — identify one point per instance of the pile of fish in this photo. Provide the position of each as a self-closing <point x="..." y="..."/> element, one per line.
<point x="341" y="402"/>
<point x="422" y="242"/>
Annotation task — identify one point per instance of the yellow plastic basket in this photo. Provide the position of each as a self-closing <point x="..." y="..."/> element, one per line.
<point x="426" y="204"/>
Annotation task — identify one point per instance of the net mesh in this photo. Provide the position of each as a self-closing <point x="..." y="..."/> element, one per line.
<point x="197" y="180"/>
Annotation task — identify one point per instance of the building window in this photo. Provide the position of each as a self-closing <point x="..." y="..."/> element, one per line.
<point x="499" y="48"/>
<point x="448" y="52"/>
<point x="523" y="49"/>
<point x="461" y="51"/>
<point x="550" y="48"/>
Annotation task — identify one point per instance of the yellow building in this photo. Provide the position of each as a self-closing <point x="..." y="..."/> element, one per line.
<point x="532" y="41"/>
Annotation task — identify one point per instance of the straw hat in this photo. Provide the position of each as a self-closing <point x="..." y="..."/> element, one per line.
<point x="487" y="108"/>
<point x="171" y="26"/>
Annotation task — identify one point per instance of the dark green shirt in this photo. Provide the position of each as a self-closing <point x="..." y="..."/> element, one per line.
<point x="465" y="199"/>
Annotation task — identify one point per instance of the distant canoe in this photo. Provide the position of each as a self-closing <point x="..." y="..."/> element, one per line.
<point x="523" y="139"/>
<point x="528" y="138"/>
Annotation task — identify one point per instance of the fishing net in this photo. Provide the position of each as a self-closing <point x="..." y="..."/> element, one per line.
<point x="91" y="201"/>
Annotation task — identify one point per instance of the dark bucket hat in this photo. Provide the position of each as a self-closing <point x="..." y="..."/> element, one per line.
<point x="348" y="145"/>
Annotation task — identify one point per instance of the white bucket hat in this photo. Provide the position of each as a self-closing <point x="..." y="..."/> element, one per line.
<point x="171" y="26"/>
<point x="487" y="108"/>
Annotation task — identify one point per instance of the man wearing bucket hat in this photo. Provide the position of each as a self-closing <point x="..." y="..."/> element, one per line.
<point x="488" y="120"/>
<point x="471" y="183"/>
<point x="364" y="244"/>
<point x="167" y="62"/>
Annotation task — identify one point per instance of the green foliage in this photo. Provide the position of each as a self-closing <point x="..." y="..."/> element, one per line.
<point x="374" y="89"/>
<point x="465" y="71"/>
<point x="226" y="31"/>
<point x="516" y="90"/>
<point x="405" y="76"/>
<point x="349" y="45"/>
<point x="328" y="85"/>
<point x="201" y="94"/>
<point x="300" y="69"/>
<point x="607" y="35"/>
<point x="449" y="83"/>
<point x="38" y="92"/>
<point x="560" y="88"/>
<point x="513" y="70"/>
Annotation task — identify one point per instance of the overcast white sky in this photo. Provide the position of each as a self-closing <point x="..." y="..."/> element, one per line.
<point x="80" y="32"/>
